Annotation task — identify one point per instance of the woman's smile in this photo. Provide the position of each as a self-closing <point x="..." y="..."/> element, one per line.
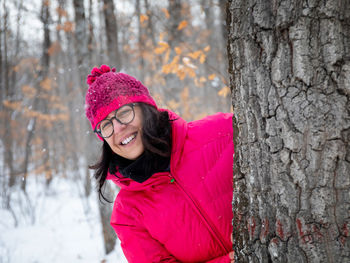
<point x="128" y="139"/>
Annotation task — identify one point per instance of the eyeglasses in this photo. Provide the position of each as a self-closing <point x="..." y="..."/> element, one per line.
<point x="123" y="115"/>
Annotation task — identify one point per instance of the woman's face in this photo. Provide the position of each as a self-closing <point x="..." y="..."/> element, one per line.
<point x="126" y="138"/>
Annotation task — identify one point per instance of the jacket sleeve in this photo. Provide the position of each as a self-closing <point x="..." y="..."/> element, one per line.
<point x="222" y="259"/>
<point x="138" y="246"/>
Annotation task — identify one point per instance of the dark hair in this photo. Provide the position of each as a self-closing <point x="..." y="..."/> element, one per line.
<point x="156" y="139"/>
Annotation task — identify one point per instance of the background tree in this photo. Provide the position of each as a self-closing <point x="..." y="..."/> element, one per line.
<point x="113" y="54"/>
<point x="289" y="74"/>
<point x="46" y="50"/>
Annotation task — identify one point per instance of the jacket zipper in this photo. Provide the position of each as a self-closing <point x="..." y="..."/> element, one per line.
<point x="202" y="214"/>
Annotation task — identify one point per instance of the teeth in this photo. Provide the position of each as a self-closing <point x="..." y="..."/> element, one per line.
<point x="127" y="140"/>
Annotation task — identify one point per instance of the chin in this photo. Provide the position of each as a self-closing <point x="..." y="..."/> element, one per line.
<point x="134" y="156"/>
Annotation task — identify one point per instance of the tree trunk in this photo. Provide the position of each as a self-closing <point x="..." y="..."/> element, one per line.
<point x="289" y="70"/>
<point x="223" y="14"/>
<point x="81" y="43"/>
<point x="114" y="57"/>
<point x="2" y="89"/>
<point x="109" y="235"/>
<point x="175" y="38"/>
<point x="42" y="75"/>
<point x="6" y="94"/>
<point x="150" y="26"/>
<point x="91" y="39"/>
<point x="140" y="41"/>
<point x="175" y="35"/>
<point x="15" y="60"/>
<point x="5" y="58"/>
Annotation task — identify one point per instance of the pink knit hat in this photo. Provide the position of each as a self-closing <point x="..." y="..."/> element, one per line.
<point x="109" y="90"/>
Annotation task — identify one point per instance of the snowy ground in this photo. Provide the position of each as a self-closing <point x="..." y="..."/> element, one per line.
<point x="61" y="232"/>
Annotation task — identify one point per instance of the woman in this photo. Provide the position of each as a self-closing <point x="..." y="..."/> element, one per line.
<point x="175" y="178"/>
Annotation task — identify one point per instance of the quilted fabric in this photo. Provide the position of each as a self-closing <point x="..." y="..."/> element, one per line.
<point x="183" y="215"/>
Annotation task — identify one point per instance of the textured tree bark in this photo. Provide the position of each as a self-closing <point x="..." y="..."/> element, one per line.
<point x="6" y="93"/>
<point x="114" y="57"/>
<point x="150" y="26"/>
<point x="175" y="35"/>
<point x="81" y="42"/>
<point x="43" y="73"/>
<point x="109" y="235"/>
<point x="289" y="69"/>
<point x="2" y="89"/>
<point x="5" y="61"/>
<point x="140" y="40"/>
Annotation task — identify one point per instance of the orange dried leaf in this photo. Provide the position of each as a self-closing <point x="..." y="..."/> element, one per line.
<point x="167" y="56"/>
<point x="54" y="48"/>
<point x="48" y="174"/>
<point x="28" y="91"/>
<point x="195" y="54"/>
<point x="176" y="60"/>
<point x="211" y="77"/>
<point x="16" y="68"/>
<point x="182" y="25"/>
<point x="162" y="47"/>
<point x="202" y="79"/>
<point x="61" y="12"/>
<point x="68" y="26"/>
<point x="207" y="48"/>
<point x="202" y="58"/>
<point x="224" y="91"/>
<point x="63" y="117"/>
<point x="188" y="63"/>
<point x="161" y="36"/>
<point x="143" y="18"/>
<point x="46" y="84"/>
<point x="159" y="50"/>
<point x="181" y="73"/>
<point x="163" y="44"/>
<point x="191" y="73"/>
<point x="197" y="83"/>
<point x="173" y="104"/>
<point x="13" y="105"/>
<point x="166" y="12"/>
<point x="185" y="93"/>
<point x="178" y="50"/>
<point x="166" y="69"/>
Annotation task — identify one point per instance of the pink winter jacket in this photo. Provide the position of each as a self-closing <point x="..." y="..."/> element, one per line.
<point x="183" y="215"/>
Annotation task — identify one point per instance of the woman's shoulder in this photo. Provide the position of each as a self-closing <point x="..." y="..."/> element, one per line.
<point x="213" y="124"/>
<point x="124" y="208"/>
<point x="213" y="128"/>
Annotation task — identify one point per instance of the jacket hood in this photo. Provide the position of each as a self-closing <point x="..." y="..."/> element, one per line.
<point x="179" y="131"/>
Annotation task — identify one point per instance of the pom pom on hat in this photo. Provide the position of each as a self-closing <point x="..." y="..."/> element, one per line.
<point x="96" y="72"/>
<point x="109" y="90"/>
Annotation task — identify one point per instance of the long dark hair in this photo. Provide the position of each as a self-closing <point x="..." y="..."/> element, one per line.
<point x="156" y="139"/>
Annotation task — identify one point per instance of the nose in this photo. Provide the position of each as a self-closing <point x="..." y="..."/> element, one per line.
<point x="117" y="126"/>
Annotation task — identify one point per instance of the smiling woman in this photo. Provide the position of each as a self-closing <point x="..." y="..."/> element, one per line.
<point x="175" y="177"/>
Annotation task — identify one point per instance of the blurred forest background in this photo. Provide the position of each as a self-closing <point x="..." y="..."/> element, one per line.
<point x="47" y="48"/>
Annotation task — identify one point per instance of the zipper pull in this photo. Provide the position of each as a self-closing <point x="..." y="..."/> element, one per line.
<point x="172" y="179"/>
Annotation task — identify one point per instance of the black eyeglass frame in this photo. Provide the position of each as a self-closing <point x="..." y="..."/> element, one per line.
<point x="99" y="132"/>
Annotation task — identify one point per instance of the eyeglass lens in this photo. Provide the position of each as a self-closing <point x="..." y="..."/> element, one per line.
<point x="123" y="115"/>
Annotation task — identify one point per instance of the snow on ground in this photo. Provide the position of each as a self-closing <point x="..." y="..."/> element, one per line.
<point x="61" y="232"/>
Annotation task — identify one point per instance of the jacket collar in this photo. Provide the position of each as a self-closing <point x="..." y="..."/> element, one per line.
<point x="179" y="131"/>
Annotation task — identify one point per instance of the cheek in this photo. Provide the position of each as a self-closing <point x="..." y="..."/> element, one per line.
<point x="111" y="144"/>
<point x="138" y="118"/>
